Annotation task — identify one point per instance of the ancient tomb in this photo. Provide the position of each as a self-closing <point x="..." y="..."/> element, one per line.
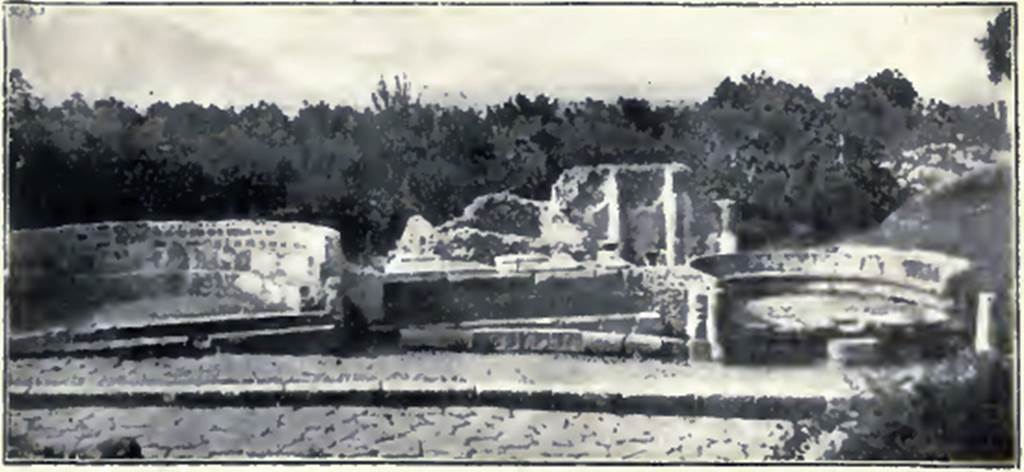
<point x="140" y="275"/>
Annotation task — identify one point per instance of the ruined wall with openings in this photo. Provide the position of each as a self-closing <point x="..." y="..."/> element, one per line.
<point x="653" y="213"/>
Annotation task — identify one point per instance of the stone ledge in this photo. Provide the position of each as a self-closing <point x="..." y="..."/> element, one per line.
<point x="215" y="396"/>
<point x="529" y="381"/>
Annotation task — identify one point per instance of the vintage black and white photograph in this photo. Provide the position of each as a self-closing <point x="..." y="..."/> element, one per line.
<point x="488" y="233"/>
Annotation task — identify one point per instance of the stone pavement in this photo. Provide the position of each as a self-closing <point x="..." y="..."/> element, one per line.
<point x="413" y="434"/>
<point x="416" y="406"/>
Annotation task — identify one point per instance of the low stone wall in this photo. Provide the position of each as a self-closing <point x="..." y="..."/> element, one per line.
<point x="104" y="275"/>
<point x="681" y="296"/>
<point x="422" y="302"/>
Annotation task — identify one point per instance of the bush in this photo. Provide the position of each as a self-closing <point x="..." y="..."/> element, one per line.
<point x="960" y="409"/>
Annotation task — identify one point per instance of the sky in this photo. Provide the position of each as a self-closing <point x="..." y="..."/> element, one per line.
<point x="235" y="56"/>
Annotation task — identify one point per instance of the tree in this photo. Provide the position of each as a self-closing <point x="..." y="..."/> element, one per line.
<point x="997" y="46"/>
<point x="400" y="97"/>
<point x="803" y="168"/>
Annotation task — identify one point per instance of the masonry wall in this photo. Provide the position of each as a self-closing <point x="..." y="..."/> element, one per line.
<point x="698" y="221"/>
<point x="110" y="274"/>
<point x="509" y="296"/>
<point x="679" y="294"/>
<point x="634" y="207"/>
<point x="584" y="198"/>
<point x="642" y="215"/>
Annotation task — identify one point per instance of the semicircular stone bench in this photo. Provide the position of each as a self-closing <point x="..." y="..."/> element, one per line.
<point x="108" y="275"/>
<point x="867" y="303"/>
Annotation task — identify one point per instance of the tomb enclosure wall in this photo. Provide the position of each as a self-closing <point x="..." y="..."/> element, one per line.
<point x="106" y="274"/>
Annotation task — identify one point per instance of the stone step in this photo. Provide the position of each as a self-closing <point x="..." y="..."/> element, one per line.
<point x="521" y="381"/>
<point x="274" y="395"/>
<point x="171" y="322"/>
<point x="643" y="322"/>
<point x="537" y="339"/>
<point x="195" y="336"/>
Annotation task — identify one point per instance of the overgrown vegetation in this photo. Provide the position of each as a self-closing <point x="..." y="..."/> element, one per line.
<point x="962" y="411"/>
<point x="958" y="409"/>
<point x="804" y="168"/>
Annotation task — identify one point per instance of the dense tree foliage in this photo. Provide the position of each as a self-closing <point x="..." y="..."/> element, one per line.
<point x="804" y="168"/>
<point x="998" y="46"/>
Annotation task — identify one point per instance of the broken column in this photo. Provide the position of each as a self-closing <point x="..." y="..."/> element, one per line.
<point x="609" y="252"/>
<point x="727" y="241"/>
<point x="668" y="208"/>
<point x="727" y="244"/>
<point x="696" y="323"/>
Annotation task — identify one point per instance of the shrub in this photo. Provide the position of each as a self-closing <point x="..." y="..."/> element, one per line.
<point x="960" y="409"/>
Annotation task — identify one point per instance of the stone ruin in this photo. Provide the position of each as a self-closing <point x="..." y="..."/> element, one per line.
<point x="621" y="259"/>
<point x="641" y="215"/>
<point x="850" y="303"/>
<point x="157" y="279"/>
<point x="630" y="243"/>
<point x="604" y="259"/>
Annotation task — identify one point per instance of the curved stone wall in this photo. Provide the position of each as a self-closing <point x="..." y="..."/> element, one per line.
<point x="788" y="306"/>
<point x="126" y="273"/>
<point x="926" y="271"/>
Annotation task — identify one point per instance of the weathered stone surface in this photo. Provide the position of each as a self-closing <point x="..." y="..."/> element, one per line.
<point x="856" y="351"/>
<point x="418" y="238"/>
<point x="785" y="306"/>
<point x="526" y="340"/>
<point x="225" y="373"/>
<point x="78" y="276"/>
<point x="924" y="270"/>
<point x="646" y="211"/>
<point x="512" y="295"/>
<point x="702" y="415"/>
<point x="502" y="213"/>
<point x="480" y="246"/>
<point x="420" y="433"/>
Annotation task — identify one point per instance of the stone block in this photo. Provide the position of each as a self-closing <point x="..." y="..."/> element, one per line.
<point x="855" y="351"/>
